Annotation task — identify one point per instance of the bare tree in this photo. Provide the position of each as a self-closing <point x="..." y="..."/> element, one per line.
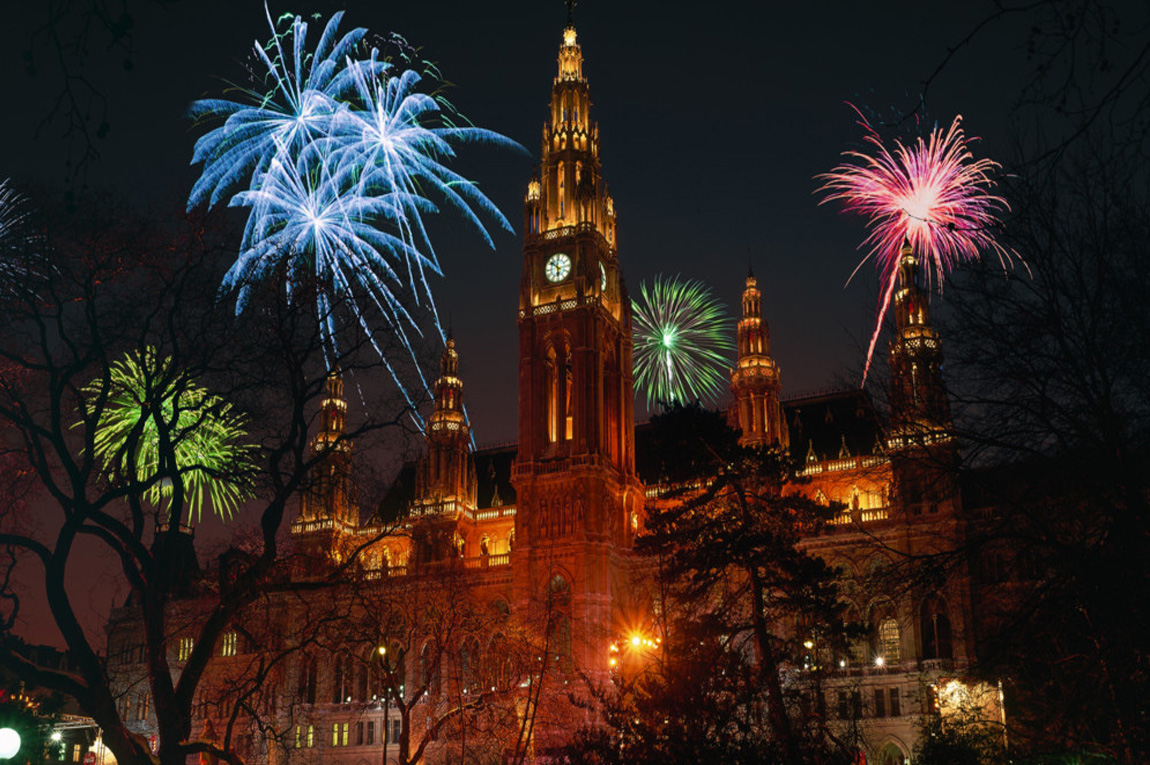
<point x="120" y="289"/>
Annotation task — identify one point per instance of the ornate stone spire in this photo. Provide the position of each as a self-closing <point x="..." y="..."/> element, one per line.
<point x="569" y="190"/>
<point x="920" y="412"/>
<point x="330" y="496"/>
<point x="446" y="478"/>
<point x="755" y="380"/>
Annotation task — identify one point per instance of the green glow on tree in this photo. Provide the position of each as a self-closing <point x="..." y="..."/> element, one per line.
<point x="158" y="426"/>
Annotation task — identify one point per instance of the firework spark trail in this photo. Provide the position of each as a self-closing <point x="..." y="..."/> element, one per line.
<point x="14" y="236"/>
<point x="682" y="341"/>
<point x="932" y="193"/>
<point x="337" y="164"/>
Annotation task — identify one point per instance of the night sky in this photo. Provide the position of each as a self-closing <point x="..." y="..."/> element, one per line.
<point x="714" y="118"/>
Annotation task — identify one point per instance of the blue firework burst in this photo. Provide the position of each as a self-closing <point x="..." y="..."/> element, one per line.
<point x="338" y="163"/>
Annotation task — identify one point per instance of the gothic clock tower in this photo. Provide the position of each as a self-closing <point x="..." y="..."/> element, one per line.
<point x="578" y="495"/>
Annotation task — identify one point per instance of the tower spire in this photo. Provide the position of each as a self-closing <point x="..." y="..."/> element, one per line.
<point x="328" y="504"/>
<point x="569" y="191"/>
<point x="446" y="478"/>
<point x="920" y="412"/>
<point x="755" y="380"/>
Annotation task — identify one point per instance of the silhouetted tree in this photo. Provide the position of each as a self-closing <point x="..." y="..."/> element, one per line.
<point x="736" y="600"/>
<point x="116" y="287"/>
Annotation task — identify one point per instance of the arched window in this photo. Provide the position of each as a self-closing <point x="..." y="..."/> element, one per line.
<point x="613" y="417"/>
<point x="887" y="637"/>
<point x="551" y="392"/>
<point x="568" y="413"/>
<point x="559" y="621"/>
<point x="499" y="666"/>
<point x="308" y="674"/>
<point x="342" y="682"/>
<point x="562" y="186"/>
<point x="469" y="666"/>
<point x="892" y="755"/>
<point x="429" y="668"/>
<point x="936" y="634"/>
<point x="856" y="646"/>
<point x="389" y="670"/>
<point x="888" y="645"/>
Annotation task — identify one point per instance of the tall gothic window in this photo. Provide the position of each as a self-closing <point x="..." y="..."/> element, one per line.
<point x="568" y="416"/>
<point x="429" y="668"/>
<point x="936" y="634"/>
<point x="551" y="386"/>
<point x="889" y="640"/>
<point x="559" y="621"/>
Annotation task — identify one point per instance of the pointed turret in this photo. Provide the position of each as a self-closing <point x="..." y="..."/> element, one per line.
<point x="755" y="380"/>
<point x="569" y="190"/>
<point x="445" y="481"/>
<point x="920" y="413"/>
<point x="328" y="505"/>
<point x="922" y="448"/>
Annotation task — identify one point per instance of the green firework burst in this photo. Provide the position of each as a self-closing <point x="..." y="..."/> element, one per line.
<point x="683" y="341"/>
<point x="158" y="426"/>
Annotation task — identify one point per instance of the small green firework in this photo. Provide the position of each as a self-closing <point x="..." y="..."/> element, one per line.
<point x="158" y="427"/>
<point x="683" y="341"/>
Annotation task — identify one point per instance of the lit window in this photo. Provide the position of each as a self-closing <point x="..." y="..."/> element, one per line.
<point x="76" y="753"/>
<point x="310" y="736"/>
<point x="185" y="648"/>
<point x="230" y="645"/>
<point x="889" y="643"/>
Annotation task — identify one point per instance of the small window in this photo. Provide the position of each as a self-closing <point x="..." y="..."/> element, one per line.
<point x="75" y="753"/>
<point x="230" y="644"/>
<point x="370" y="732"/>
<point x="310" y="736"/>
<point x="185" y="648"/>
<point x="895" y="711"/>
<point x="879" y="702"/>
<point x="395" y="731"/>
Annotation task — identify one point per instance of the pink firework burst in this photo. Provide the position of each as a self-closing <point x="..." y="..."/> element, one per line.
<point x="932" y="193"/>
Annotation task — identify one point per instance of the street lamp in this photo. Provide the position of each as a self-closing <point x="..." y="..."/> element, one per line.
<point x="385" y="691"/>
<point x="9" y="743"/>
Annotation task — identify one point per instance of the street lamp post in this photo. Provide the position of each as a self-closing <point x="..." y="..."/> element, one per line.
<point x="386" y="693"/>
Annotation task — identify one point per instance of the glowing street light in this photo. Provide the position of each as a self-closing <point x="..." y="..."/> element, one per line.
<point x="9" y="743"/>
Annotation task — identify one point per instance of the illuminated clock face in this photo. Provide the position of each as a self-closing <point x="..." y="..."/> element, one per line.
<point x="602" y="277"/>
<point x="557" y="268"/>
